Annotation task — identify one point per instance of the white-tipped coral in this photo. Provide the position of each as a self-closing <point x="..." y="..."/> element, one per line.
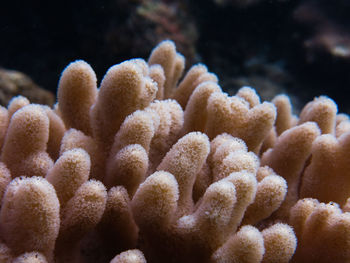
<point x="322" y="231"/>
<point x="280" y="243"/>
<point x="246" y="246"/>
<point x="156" y="167"/>
<point x="130" y="256"/>
<point x="324" y="181"/>
<point x="30" y="257"/>
<point x="321" y="110"/>
<point x="236" y="116"/>
<point x="172" y="64"/>
<point x="76" y="94"/>
<point x="155" y="202"/>
<point x="29" y="216"/>
<point x="288" y="158"/>
<point x="24" y="150"/>
<point x="184" y="160"/>
<point x="70" y="171"/>
<point x="128" y="168"/>
<point x="271" y="191"/>
<point x="125" y="88"/>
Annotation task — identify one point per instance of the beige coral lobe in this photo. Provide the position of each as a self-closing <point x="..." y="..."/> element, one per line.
<point x="156" y="164"/>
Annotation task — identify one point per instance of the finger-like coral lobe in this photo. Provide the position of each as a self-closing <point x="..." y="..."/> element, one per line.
<point x="29" y="216"/>
<point x="157" y="165"/>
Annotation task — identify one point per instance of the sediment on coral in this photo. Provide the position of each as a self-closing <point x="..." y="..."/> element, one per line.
<point x="160" y="166"/>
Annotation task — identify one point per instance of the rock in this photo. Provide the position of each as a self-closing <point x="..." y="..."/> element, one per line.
<point x="13" y="83"/>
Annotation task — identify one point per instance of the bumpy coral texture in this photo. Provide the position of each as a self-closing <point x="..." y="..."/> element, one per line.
<point x="154" y="166"/>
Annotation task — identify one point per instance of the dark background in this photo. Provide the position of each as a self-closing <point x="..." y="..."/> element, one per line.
<point x="266" y="40"/>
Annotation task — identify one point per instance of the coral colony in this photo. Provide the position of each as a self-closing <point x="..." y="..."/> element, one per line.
<point x="151" y="168"/>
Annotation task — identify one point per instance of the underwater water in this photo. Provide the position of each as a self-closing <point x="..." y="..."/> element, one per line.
<point x="301" y="48"/>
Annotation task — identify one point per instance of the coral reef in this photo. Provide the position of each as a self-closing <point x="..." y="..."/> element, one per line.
<point x="329" y="28"/>
<point x="150" y="22"/>
<point x="156" y="167"/>
<point x="14" y="83"/>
